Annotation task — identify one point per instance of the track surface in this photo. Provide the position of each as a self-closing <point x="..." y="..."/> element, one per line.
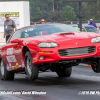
<point x="82" y="78"/>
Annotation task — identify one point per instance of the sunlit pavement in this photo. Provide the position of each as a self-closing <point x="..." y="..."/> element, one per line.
<point x="82" y="79"/>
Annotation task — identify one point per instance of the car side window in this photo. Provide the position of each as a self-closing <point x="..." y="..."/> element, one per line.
<point x="16" y="35"/>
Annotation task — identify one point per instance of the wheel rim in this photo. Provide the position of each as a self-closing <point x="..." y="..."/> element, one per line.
<point x="29" y="68"/>
<point x="2" y="68"/>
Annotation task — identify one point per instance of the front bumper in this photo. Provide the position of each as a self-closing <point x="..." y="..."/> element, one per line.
<point x="53" y="56"/>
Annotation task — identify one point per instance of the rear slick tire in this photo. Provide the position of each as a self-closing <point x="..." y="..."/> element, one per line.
<point x="64" y="72"/>
<point x="96" y="67"/>
<point x="4" y="74"/>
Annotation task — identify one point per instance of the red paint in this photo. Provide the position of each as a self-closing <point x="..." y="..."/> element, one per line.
<point x="64" y="42"/>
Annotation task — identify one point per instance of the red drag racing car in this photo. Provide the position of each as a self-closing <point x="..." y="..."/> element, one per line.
<point x="55" y="47"/>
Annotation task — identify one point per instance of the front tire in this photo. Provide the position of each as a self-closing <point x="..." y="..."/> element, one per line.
<point x="64" y="72"/>
<point x="4" y="74"/>
<point x="31" y="70"/>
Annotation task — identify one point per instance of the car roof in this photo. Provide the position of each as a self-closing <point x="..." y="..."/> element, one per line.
<point x="42" y="25"/>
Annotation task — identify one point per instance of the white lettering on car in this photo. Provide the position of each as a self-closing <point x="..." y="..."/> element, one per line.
<point x="11" y="58"/>
<point x="9" y="64"/>
<point x="19" y="66"/>
<point x="9" y="51"/>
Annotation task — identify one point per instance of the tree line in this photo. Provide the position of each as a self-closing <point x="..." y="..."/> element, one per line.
<point x="56" y="10"/>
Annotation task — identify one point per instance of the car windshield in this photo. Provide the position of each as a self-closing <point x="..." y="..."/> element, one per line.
<point x="47" y="29"/>
<point x="91" y="29"/>
<point x="83" y="30"/>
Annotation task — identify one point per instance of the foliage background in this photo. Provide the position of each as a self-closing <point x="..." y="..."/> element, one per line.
<point x="55" y="10"/>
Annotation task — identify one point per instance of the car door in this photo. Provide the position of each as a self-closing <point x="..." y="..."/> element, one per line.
<point x="12" y="55"/>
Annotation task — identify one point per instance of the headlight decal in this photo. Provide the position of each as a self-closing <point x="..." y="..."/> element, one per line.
<point x="95" y="40"/>
<point x="47" y="44"/>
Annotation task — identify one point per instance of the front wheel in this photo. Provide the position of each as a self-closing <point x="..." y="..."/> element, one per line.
<point x="31" y="70"/>
<point x="4" y="74"/>
<point x="64" y="72"/>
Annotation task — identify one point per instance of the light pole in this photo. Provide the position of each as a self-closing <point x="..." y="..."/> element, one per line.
<point x="80" y="9"/>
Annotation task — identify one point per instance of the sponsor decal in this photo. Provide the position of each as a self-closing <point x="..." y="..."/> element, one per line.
<point x="12" y="68"/>
<point x="9" y="64"/>
<point x="23" y="65"/>
<point x="15" y="68"/>
<point x="28" y="30"/>
<point x="8" y="68"/>
<point x="9" y="51"/>
<point x="16" y="63"/>
<point x="11" y="14"/>
<point x="19" y="66"/>
<point x="11" y="58"/>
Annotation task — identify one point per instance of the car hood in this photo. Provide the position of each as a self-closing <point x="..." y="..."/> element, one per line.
<point x="62" y="36"/>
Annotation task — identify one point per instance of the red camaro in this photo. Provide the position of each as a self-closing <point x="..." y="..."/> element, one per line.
<point x="55" y="47"/>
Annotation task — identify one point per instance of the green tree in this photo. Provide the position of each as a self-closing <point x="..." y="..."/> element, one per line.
<point x="35" y="12"/>
<point x="91" y="11"/>
<point x="55" y="10"/>
<point x="68" y="13"/>
<point x="49" y="16"/>
<point x="53" y="4"/>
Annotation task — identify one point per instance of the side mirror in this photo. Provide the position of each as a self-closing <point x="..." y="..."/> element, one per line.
<point x="16" y="41"/>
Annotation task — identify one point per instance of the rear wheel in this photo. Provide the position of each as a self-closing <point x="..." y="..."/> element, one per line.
<point x="96" y="65"/>
<point x="31" y="70"/>
<point x="64" y="72"/>
<point x="4" y="74"/>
